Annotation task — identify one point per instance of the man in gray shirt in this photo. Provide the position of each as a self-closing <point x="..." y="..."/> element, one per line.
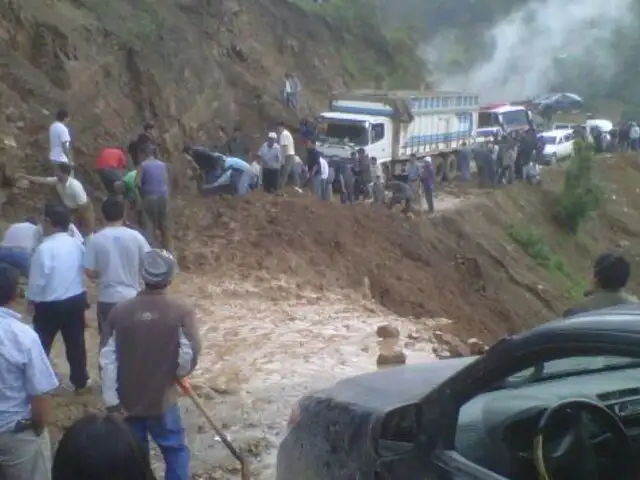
<point x="401" y="193"/>
<point x="113" y="257"/>
<point x="236" y="146"/>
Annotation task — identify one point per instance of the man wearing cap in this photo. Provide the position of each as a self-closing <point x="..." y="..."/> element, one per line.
<point x="151" y="340"/>
<point x="271" y="160"/>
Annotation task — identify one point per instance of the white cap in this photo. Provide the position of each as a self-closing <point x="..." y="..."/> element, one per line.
<point x="272" y="136"/>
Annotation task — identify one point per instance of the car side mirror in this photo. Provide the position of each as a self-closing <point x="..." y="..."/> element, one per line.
<point x="399" y="431"/>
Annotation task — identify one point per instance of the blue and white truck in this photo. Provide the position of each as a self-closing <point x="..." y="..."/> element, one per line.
<point x="391" y="125"/>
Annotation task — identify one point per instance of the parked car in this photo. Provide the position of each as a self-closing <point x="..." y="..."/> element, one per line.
<point x="558" y="145"/>
<point x="558" y="103"/>
<point x="559" y="402"/>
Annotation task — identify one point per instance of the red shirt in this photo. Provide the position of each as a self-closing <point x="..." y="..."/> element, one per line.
<point x="111" y="158"/>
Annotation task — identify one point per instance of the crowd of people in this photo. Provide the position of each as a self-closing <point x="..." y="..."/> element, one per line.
<point x="148" y="338"/>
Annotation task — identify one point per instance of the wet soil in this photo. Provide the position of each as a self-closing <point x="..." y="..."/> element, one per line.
<point x="290" y="291"/>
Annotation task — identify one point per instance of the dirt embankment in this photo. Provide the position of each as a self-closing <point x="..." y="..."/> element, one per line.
<point x="463" y="264"/>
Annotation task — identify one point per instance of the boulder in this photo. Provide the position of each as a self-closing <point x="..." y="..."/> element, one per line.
<point x="387" y="331"/>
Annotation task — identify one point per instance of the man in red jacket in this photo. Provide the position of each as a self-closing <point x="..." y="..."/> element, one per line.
<point x="111" y="165"/>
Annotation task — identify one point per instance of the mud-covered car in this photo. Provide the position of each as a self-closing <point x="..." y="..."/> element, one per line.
<point x="559" y="402"/>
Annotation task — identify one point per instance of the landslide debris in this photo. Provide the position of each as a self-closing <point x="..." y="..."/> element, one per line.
<point x="464" y="264"/>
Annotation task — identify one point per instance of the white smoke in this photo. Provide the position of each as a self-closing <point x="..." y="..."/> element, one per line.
<point x="531" y="45"/>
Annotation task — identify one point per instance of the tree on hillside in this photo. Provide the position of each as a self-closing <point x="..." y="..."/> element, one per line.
<point x="581" y="194"/>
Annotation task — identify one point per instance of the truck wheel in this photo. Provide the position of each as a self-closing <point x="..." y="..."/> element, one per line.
<point x="450" y="168"/>
<point x="439" y="167"/>
<point x="386" y="171"/>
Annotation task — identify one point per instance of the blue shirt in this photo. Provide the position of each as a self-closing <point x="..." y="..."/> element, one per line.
<point x="413" y="171"/>
<point x="25" y="371"/>
<point x="57" y="270"/>
<point x="238" y="164"/>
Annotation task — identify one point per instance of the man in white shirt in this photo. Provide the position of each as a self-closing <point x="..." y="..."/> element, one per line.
<point x="60" y="139"/>
<point x="71" y="193"/>
<point x="27" y="379"/>
<point x="271" y="160"/>
<point x="113" y="257"/>
<point x="18" y="244"/>
<point x="324" y="177"/>
<point x="287" y="146"/>
<point x="56" y="292"/>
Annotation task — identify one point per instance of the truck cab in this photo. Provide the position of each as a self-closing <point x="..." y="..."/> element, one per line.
<point x="339" y="134"/>
<point x="504" y="116"/>
<point x="392" y="125"/>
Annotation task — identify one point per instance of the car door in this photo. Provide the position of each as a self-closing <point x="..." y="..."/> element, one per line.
<point x="505" y="359"/>
<point x="569" y="144"/>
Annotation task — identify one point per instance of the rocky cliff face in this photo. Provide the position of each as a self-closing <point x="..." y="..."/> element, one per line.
<point x="188" y="65"/>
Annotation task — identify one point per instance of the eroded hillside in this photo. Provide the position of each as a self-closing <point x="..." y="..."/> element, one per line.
<point x="189" y="65"/>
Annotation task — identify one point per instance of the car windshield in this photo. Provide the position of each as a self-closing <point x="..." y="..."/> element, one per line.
<point x="354" y="133"/>
<point x="515" y="118"/>
<point x="571" y="366"/>
<point x="549" y="139"/>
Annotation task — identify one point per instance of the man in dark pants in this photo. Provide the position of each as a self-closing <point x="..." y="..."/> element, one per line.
<point x="344" y="175"/>
<point x="402" y="192"/>
<point x="56" y="291"/>
<point x="153" y="183"/>
<point x="113" y="257"/>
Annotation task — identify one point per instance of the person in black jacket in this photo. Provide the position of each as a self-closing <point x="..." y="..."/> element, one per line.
<point x="139" y="144"/>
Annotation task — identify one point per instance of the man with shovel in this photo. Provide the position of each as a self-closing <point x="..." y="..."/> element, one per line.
<point x="152" y="340"/>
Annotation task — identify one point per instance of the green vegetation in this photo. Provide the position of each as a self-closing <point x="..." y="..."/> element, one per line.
<point x="373" y="52"/>
<point x="134" y="22"/>
<point x="581" y="195"/>
<point x="535" y="246"/>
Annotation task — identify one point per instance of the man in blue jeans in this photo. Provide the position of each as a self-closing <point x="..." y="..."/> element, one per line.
<point x="152" y="340"/>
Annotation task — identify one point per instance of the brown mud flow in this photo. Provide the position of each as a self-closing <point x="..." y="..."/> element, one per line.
<point x="290" y="291"/>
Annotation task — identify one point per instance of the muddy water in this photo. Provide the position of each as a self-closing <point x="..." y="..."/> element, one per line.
<point x="267" y="344"/>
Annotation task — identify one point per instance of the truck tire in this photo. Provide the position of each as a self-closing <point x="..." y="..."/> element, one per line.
<point x="386" y="171"/>
<point x="438" y="166"/>
<point x="450" y="168"/>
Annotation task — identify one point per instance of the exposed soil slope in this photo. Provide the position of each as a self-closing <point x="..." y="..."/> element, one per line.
<point x="463" y="265"/>
<point x="189" y="65"/>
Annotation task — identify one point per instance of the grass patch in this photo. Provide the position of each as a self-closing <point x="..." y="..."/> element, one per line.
<point x="372" y="53"/>
<point x="535" y="246"/>
<point x="137" y="23"/>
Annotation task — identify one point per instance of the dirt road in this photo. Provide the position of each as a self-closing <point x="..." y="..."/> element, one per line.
<point x="266" y="343"/>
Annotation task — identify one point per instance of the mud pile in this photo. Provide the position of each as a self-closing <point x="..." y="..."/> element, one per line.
<point x="462" y="265"/>
<point x="403" y="263"/>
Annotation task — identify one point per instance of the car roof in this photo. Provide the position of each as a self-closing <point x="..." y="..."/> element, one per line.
<point x="557" y="132"/>
<point x="621" y="318"/>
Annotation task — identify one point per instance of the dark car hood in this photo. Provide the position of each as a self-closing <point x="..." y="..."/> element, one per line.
<point x="393" y="387"/>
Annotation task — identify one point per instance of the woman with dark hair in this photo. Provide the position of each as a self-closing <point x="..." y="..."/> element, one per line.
<point x="99" y="447"/>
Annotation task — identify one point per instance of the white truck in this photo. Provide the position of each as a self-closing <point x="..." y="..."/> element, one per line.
<point x="391" y="125"/>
